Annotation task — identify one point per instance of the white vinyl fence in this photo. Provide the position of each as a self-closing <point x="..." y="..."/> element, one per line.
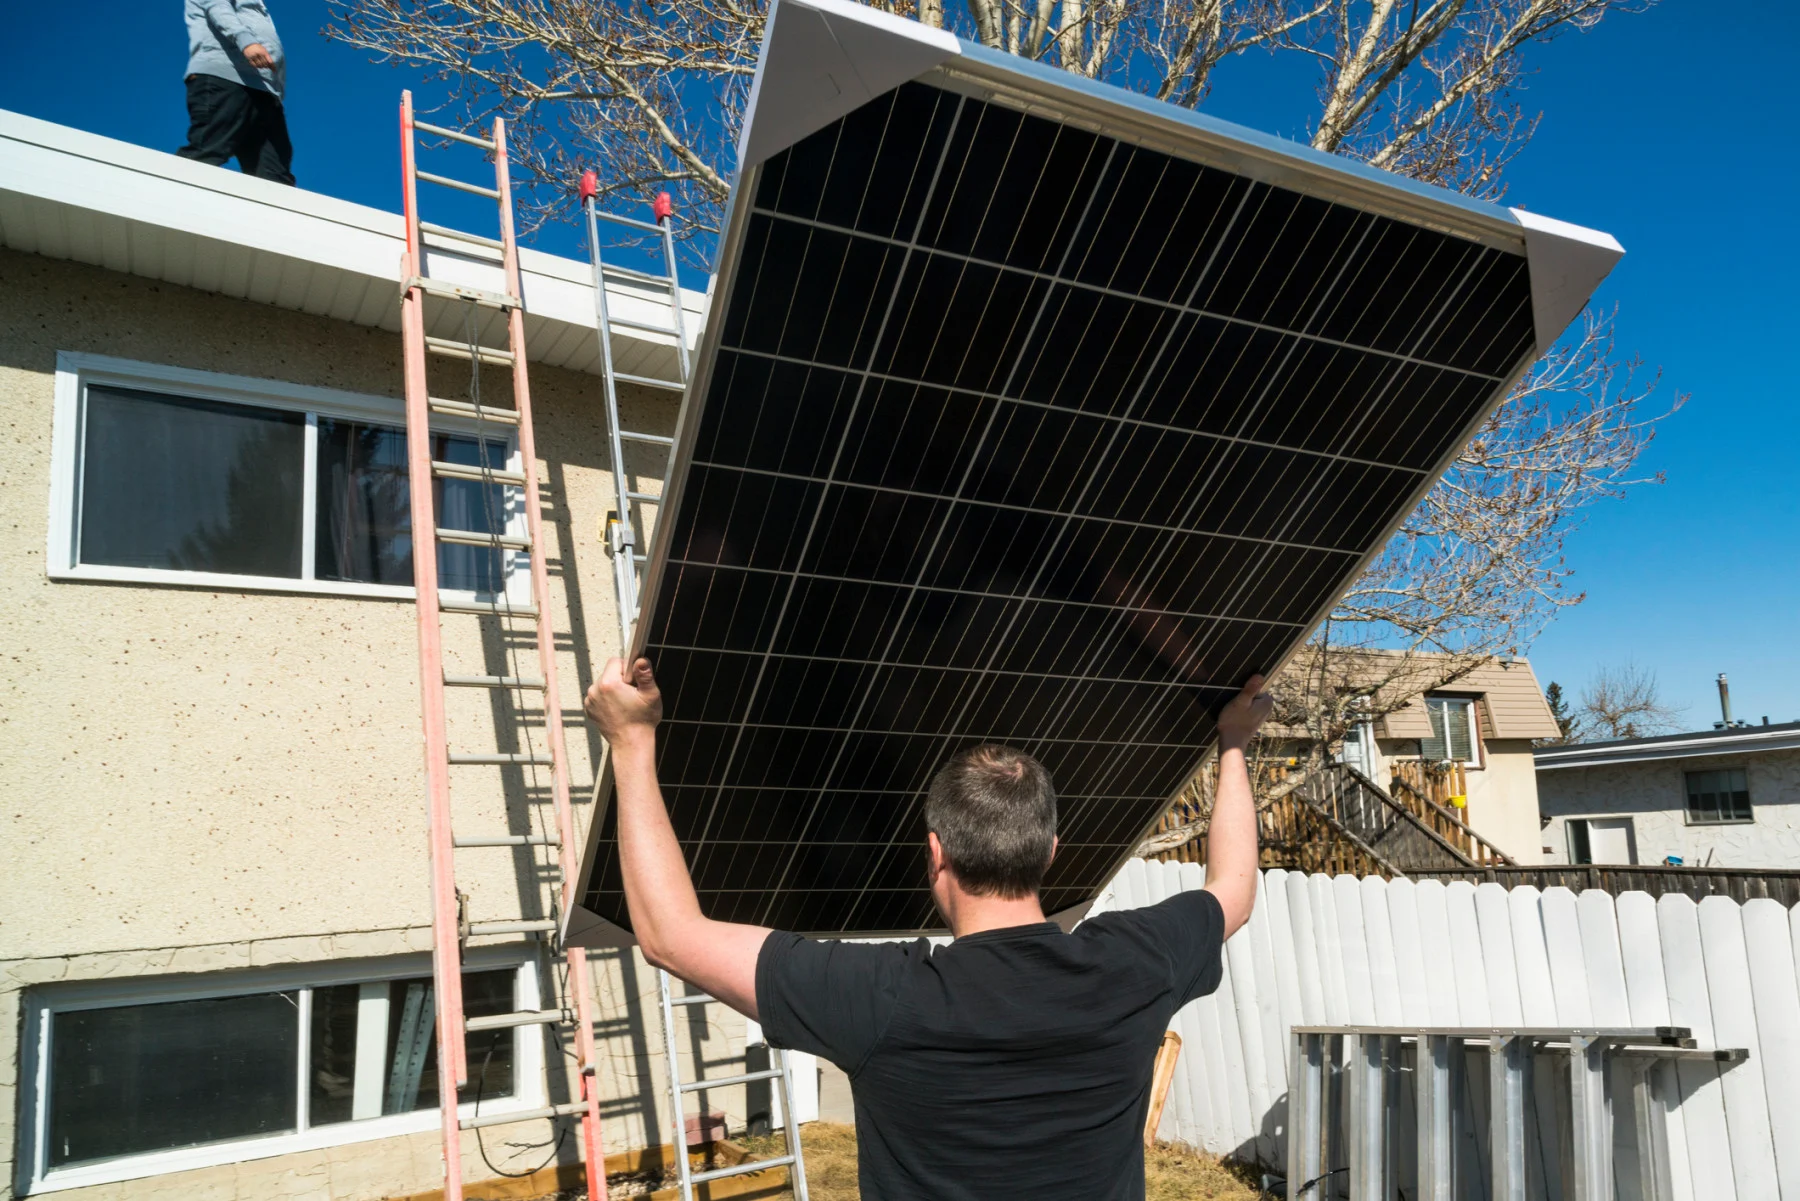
<point x="1338" y="950"/>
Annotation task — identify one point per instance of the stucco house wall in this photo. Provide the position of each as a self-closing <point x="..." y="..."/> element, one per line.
<point x="1653" y="793"/>
<point x="208" y="781"/>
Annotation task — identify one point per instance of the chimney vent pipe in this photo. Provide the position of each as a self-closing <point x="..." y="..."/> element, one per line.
<point x="1725" y="700"/>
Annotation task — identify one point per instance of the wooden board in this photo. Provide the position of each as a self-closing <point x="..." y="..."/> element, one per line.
<point x="1378" y="937"/>
<point x="1346" y="899"/>
<point x="1769" y="949"/>
<point x="1409" y="953"/>
<point x="1465" y="954"/>
<point x="1493" y="916"/>
<point x="1562" y="943"/>
<point x="1640" y="949"/>
<point x="1440" y="971"/>
<point x="1734" y="1025"/>
<point x="1537" y="996"/>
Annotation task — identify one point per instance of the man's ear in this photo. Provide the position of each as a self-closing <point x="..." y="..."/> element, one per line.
<point x="934" y="855"/>
<point x="1054" y="843"/>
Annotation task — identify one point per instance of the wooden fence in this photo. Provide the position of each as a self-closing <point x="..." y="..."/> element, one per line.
<point x="1336" y="950"/>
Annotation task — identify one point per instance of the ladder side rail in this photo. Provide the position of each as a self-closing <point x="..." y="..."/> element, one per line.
<point x="678" y="1117"/>
<point x="666" y="221"/>
<point x="446" y="958"/>
<point x="797" y="1168"/>
<point x="624" y="544"/>
<point x="579" y="981"/>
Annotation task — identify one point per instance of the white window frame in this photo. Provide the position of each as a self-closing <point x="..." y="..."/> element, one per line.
<point x="1469" y="703"/>
<point x="42" y="1004"/>
<point x="76" y="371"/>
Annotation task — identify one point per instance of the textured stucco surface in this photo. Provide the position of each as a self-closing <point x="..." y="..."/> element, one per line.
<point x="1654" y="795"/>
<point x="202" y="780"/>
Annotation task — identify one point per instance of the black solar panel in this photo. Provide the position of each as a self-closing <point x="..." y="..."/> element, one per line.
<point x="1014" y="431"/>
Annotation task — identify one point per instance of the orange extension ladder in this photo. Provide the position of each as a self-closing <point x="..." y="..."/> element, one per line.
<point x="451" y="927"/>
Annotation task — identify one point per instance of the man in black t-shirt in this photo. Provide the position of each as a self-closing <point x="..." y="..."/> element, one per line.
<point x="1014" y="1062"/>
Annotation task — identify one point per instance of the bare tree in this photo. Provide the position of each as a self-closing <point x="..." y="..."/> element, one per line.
<point x="651" y="95"/>
<point x="1625" y="702"/>
<point x="1477" y="570"/>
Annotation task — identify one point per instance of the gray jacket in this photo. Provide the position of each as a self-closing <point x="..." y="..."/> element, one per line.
<point x="218" y="31"/>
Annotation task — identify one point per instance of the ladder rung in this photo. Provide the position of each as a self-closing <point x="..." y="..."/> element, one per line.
<point x="507" y="840"/>
<point x="698" y="998"/>
<point x="643" y="325"/>
<point x="481" y="475"/>
<point x="521" y="927"/>
<point x="444" y="181"/>
<point x="641" y="276"/>
<point x="492" y="682"/>
<point x="653" y="497"/>
<point x="501" y="758"/>
<point x="461" y="408"/>
<point x="694" y="1086"/>
<point x="631" y="221"/>
<point x="456" y="604"/>
<point x="481" y="296"/>
<point x="460" y="350"/>
<point x="506" y="1021"/>
<point x="444" y="231"/>
<point x="650" y="382"/>
<point x="477" y="538"/>
<point x="742" y="1169"/>
<point x="566" y="1109"/>
<point x="455" y="134"/>
<point x="653" y="439"/>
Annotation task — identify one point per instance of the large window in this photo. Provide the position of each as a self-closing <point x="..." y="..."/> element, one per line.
<point x="176" y="476"/>
<point x="1720" y="795"/>
<point x="134" y="1080"/>
<point x="1453" y="736"/>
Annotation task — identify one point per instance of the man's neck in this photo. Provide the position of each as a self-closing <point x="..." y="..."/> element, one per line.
<point x="972" y="915"/>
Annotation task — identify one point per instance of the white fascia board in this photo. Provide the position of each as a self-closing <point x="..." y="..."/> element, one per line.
<point x="128" y="208"/>
<point x="1786" y="740"/>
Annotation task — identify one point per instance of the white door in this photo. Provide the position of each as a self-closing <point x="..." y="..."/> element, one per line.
<point x="1610" y="840"/>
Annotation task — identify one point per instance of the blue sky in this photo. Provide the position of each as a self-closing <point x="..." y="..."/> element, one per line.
<point x="1662" y="129"/>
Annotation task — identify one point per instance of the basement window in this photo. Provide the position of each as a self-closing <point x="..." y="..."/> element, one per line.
<point x="162" y="475"/>
<point x="137" y="1078"/>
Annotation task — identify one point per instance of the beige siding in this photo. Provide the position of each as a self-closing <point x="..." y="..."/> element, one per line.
<point x="206" y="780"/>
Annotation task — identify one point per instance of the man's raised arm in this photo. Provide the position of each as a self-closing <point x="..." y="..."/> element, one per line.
<point x="720" y="957"/>
<point x="1231" y="858"/>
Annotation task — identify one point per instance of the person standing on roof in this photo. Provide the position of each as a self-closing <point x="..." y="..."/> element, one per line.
<point x="1014" y="1062"/>
<point x="236" y="75"/>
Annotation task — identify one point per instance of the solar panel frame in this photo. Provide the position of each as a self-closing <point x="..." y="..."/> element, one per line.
<point x="1008" y="83"/>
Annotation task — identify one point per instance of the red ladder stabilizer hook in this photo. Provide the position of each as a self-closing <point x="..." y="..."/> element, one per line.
<point x="590" y="186"/>
<point x="663" y="206"/>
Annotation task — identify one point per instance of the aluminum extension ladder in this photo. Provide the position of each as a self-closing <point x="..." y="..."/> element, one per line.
<point x="451" y="927"/>
<point x="625" y="545"/>
<point x="781" y="1075"/>
<point x="1345" y="1097"/>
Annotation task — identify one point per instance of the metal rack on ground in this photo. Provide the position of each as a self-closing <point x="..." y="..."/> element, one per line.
<point x="625" y="542"/>
<point x="451" y="925"/>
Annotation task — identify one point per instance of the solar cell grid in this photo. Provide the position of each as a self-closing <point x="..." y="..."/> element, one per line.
<point x="1017" y="431"/>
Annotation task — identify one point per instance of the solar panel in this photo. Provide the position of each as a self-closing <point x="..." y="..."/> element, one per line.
<point x="1029" y="411"/>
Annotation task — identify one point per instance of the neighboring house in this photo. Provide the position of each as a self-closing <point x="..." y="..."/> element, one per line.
<point x="214" y="899"/>
<point x="1726" y="797"/>
<point x="1483" y="725"/>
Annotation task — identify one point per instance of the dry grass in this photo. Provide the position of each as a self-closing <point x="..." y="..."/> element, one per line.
<point x="1171" y="1172"/>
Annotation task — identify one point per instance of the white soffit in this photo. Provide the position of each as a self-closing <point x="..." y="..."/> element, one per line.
<point x="69" y="194"/>
<point x="1567" y="263"/>
<point x="822" y="59"/>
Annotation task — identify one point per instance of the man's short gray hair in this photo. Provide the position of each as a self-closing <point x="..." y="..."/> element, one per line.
<point x="994" y="811"/>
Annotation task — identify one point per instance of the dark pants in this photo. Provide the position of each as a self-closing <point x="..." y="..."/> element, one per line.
<point x="227" y="119"/>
